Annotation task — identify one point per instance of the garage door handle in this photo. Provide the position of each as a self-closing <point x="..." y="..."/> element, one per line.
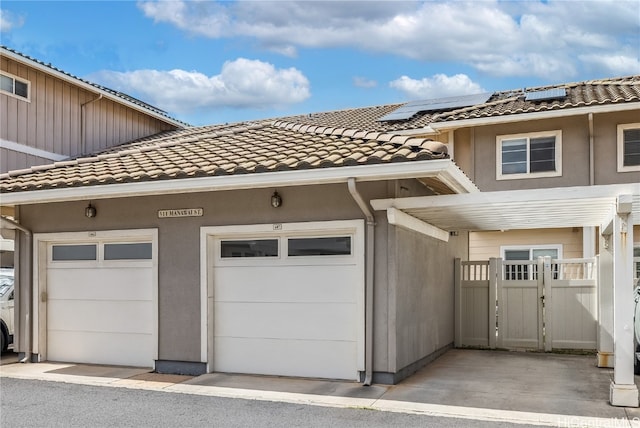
<point x="43" y="296"/>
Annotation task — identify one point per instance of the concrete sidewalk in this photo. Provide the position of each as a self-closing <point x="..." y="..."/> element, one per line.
<point x="528" y="388"/>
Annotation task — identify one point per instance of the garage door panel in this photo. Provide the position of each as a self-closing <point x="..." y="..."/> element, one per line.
<point x="327" y="359"/>
<point x="100" y="283"/>
<point x="297" y="314"/>
<point x="326" y="321"/>
<point x="101" y="316"/>
<point x="286" y="283"/>
<point x="101" y="311"/>
<point x="101" y="348"/>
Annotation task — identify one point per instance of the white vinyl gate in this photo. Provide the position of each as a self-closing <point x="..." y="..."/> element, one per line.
<point x="536" y="304"/>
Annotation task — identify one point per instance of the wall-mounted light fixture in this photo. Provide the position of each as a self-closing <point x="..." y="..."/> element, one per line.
<point x="276" y="200"/>
<point x="90" y="211"/>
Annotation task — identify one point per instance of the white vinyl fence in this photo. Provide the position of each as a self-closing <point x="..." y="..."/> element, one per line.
<point x="539" y="304"/>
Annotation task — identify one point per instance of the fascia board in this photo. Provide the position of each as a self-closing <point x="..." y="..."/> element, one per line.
<point x="363" y="173"/>
<point x="521" y="117"/>
<point x="528" y="196"/>
<point x="88" y="87"/>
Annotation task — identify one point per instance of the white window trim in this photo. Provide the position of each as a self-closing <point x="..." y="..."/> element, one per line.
<point x="621" y="129"/>
<point x="557" y="173"/>
<point x="20" y="79"/>
<point x="557" y="247"/>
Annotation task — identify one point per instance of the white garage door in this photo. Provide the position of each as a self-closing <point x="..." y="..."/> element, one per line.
<point x="100" y="303"/>
<point x="289" y="302"/>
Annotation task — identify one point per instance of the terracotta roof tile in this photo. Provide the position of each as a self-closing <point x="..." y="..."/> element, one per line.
<point x="331" y="139"/>
<point x="251" y="148"/>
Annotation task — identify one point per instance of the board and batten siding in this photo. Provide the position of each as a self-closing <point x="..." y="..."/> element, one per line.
<point x="52" y="119"/>
<point x="484" y="245"/>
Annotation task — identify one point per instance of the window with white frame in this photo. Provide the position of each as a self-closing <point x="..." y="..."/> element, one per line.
<point x="629" y="147"/>
<point x="529" y="155"/>
<point x="14" y="86"/>
<point x="526" y="253"/>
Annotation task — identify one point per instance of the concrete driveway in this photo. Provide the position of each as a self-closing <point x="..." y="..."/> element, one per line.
<point x="535" y="388"/>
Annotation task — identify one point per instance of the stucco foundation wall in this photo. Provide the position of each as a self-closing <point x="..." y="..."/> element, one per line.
<point x="424" y="293"/>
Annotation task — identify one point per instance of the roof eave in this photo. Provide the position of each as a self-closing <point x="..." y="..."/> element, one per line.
<point x="89" y="87"/>
<point x="443" y="169"/>
<point x="519" y="117"/>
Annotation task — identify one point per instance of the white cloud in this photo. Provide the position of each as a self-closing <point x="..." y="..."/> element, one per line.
<point x="242" y="83"/>
<point x="363" y="82"/>
<point x="437" y="86"/>
<point x="533" y="38"/>
<point x="9" y="21"/>
<point x="618" y="65"/>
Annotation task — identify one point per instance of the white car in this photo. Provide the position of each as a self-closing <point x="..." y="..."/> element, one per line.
<point x="6" y="308"/>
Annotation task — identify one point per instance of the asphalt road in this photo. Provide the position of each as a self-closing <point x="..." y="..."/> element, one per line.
<point x="30" y="403"/>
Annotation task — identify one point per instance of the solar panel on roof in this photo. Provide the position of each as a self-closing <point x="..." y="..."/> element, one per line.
<point x="548" y="94"/>
<point x="408" y="110"/>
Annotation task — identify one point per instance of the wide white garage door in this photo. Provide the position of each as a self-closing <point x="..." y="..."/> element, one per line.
<point x="100" y="303"/>
<point x="289" y="302"/>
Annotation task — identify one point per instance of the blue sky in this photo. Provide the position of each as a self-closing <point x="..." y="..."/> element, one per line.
<point x="209" y="62"/>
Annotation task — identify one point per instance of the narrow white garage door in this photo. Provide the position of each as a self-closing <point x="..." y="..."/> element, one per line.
<point x="100" y="303"/>
<point x="289" y="303"/>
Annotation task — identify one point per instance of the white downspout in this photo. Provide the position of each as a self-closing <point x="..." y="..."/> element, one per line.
<point x="27" y="290"/>
<point x="368" y="311"/>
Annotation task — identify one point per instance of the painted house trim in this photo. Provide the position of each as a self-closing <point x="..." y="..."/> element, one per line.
<point x="443" y="169"/>
<point x="22" y="148"/>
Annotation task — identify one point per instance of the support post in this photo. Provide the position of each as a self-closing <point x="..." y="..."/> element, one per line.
<point x="547" y="307"/>
<point x="457" y="279"/>
<point x="493" y="289"/>
<point x="500" y="298"/>
<point x="605" y="304"/>
<point x="623" y="391"/>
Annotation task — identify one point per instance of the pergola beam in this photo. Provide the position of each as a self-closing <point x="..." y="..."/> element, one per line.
<point x="400" y="219"/>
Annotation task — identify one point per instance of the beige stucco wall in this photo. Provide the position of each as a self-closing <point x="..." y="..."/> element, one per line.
<point x="475" y="151"/>
<point x="422" y="293"/>
<point x="605" y="147"/>
<point x="421" y="279"/>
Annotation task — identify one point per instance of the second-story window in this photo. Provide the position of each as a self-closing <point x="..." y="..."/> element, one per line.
<point x="629" y="147"/>
<point x="529" y="155"/>
<point x="14" y="86"/>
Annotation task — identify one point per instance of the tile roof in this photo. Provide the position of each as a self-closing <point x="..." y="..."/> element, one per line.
<point x="117" y="94"/>
<point x="321" y="140"/>
<point x="580" y="94"/>
<point x="247" y="148"/>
